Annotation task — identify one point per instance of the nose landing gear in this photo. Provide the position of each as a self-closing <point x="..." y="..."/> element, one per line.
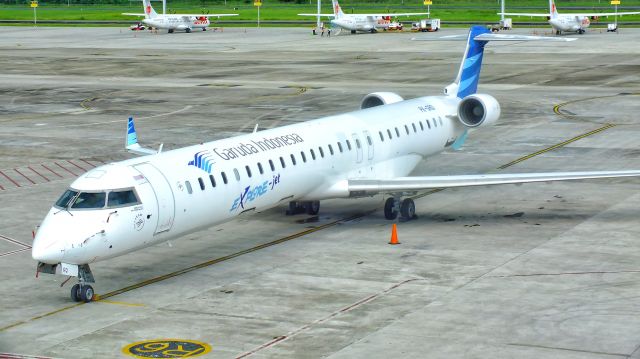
<point x="82" y="293"/>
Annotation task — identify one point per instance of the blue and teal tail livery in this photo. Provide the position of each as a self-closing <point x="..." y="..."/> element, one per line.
<point x="469" y="73"/>
<point x="132" y="141"/>
<point x="466" y="82"/>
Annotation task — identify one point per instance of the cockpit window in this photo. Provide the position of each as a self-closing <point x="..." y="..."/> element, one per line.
<point x="89" y="200"/>
<point x="122" y="198"/>
<point x="66" y="197"/>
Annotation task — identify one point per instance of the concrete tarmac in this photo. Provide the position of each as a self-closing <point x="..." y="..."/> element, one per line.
<point x="531" y="271"/>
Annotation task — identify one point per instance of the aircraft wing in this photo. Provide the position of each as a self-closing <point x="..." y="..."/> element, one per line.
<point x="131" y="14"/>
<point x="494" y="37"/>
<point x="327" y="15"/>
<point x="604" y="14"/>
<point x="204" y="15"/>
<point x="397" y="14"/>
<point x="400" y="184"/>
<point x="525" y="14"/>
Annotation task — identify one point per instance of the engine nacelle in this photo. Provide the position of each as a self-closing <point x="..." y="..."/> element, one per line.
<point x="478" y="110"/>
<point x="379" y="98"/>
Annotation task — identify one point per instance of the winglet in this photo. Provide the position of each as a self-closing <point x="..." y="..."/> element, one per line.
<point x="132" y="141"/>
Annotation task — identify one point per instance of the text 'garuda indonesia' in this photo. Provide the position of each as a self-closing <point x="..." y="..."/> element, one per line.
<point x="266" y="144"/>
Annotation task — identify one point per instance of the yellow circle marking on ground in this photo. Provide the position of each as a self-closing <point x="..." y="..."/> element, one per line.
<point x="167" y="348"/>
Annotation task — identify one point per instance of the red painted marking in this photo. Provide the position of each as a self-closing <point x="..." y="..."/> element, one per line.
<point x="14" y="241"/>
<point x="89" y="163"/>
<point x="1" y="188"/>
<point x="13" y="252"/>
<point x="52" y="171"/>
<point x="64" y="168"/>
<point x="9" y="178"/>
<point x="22" y="174"/>
<point x="38" y="173"/>
<point x="76" y="165"/>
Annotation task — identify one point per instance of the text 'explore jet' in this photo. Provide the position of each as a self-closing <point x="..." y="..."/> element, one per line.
<point x="361" y="22"/>
<point x="574" y="22"/>
<point x="125" y="206"/>
<point x="172" y="22"/>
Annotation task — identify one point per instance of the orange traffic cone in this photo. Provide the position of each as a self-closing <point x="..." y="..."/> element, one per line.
<point x="394" y="235"/>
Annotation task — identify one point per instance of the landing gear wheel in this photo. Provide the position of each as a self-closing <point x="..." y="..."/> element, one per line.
<point x="353" y="31"/>
<point x="204" y="29"/>
<point x="390" y="211"/>
<point x="187" y="30"/>
<point x="86" y="293"/>
<point x="75" y="293"/>
<point x="312" y="207"/>
<point x="170" y="31"/>
<point x="408" y="209"/>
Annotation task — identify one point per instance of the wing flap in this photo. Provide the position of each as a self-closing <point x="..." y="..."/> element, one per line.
<point x="431" y="182"/>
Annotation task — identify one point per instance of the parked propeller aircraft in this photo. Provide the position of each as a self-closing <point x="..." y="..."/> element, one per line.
<point x="568" y="22"/>
<point x="172" y="22"/>
<point x="361" y="22"/>
<point x="125" y="206"/>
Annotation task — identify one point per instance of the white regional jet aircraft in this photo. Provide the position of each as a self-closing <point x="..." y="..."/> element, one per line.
<point x="361" y="22"/>
<point x="186" y="22"/>
<point x="568" y="22"/>
<point x="124" y="206"/>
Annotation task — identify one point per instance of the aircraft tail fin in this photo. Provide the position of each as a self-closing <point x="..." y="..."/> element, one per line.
<point x="553" y="12"/>
<point x="149" y="12"/>
<point x="466" y="82"/>
<point x="469" y="72"/>
<point x="132" y="141"/>
<point x="337" y="10"/>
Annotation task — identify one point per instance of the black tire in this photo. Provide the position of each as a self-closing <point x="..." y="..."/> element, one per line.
<point x="408" y="209"/>
<point x="187" y="30"/>
<point x="170" y="31"/>
<point x="204" y="29"/>
<point x="86" y="293"/>
<point x="353" y="31"/>
<point x="312" y="207"/>
<point x="75" y="293"/>
<point x="293" y="208"/>
<point x="390" y="211"/>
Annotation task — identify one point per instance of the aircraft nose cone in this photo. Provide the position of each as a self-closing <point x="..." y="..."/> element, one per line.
<point x="50" y="252"/>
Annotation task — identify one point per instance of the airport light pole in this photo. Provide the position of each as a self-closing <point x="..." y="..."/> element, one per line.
<point x="258" y="4"/>
<point x="615" y="4"/>
<point x="34" y="5"/>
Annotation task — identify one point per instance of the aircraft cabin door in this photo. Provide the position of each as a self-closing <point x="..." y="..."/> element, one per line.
<point x="358" y="147"/>
<point x="369" y="142"/>
<point x="163" y="193"/>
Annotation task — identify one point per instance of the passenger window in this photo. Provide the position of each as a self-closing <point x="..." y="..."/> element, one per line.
<point x="440" y="119"/>
<point x="340" y="147"/>
<point x="397" y="132"/>
<point x="428" y="124"/>
<point x="313" y="154"/>
<point x="435" y="123"/>
<point x="188" y="184"/>
<point x="321" y="151"/>
<point x="213" y="181"/>
<point x="273" y="167"/>
<point x="122" y="198"/>
<point x="369" y="140"/>
<point x="237" y="174"/>
<point x="414" y="127"/>
<point x="248" y="171"/>
<point x="282" y="162"/>
<point x="421" y="126"/>
<point x="330" y="149"/>
<point x="389" y="133"/>
<point x="201" y="182"/>
<point x="381" y="136"/>
<point x="89" y="200"/>
<point x="349" y="145"/>
<point x="224" y="177"/>
<point x="406" y="129"/>
<point x="293" y="159"/>
<point x="357" y="143"/>
<point x="304" y="158"/>
<point x="260" y="168"/>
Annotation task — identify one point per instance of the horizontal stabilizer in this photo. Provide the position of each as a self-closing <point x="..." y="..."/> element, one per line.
<point x="132" y="141"/>
<point x="373" y="186"/>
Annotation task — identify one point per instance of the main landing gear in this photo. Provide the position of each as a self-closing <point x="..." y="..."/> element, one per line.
<point x="394" y="206"/>
<point x="308" y="207"/>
